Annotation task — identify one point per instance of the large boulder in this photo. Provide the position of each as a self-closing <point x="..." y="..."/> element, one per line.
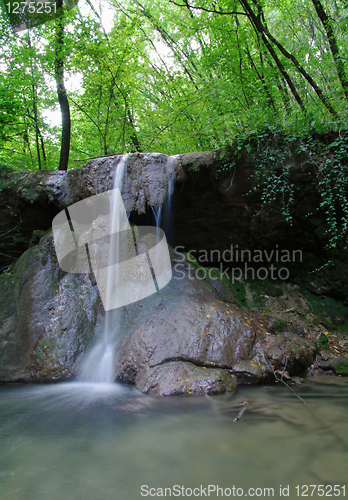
<point x="186" y="331"/>
<point x="47" y="317"/>
<point x="183" y="378"/>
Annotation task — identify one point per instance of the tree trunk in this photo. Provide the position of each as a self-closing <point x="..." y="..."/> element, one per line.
<point x="36" y="127"/>
<point x="43" y="147"/>
<point x="255" y="20"/>
<point x="333" y="45"/>
<point x="262" y="29"/>
<point x="61" y="91"/>
<point x="27" y="145"/>
<point x="134" y="137"/>
<point x="37" y="130"/>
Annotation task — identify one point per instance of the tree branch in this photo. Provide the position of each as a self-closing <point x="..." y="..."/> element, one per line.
<point x="212" y="11"/>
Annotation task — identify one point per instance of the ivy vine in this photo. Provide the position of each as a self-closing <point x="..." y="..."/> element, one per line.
<point x="273" y="155"/>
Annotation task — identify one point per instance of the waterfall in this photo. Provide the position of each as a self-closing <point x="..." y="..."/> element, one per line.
<point x="171" y="184"/>
<point x="104" y="255"/>
<point x="167" y="206"/>
<point x="99" y="364"/>
<point x="167" y="220"/>
<point x="157" y="210"/>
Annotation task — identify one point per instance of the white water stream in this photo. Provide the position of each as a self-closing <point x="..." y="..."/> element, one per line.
<point x="99" y="364"/>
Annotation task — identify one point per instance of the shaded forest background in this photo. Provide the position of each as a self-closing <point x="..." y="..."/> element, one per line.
<point x="171" y="76"/>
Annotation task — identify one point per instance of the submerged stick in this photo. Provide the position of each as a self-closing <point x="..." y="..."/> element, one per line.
<point x="313" y="414"/>
<point x="239" y="416"/>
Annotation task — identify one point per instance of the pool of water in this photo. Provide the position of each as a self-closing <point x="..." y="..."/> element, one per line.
<point x="77" y="441"/>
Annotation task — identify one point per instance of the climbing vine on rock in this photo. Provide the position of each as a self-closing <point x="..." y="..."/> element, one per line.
<point x="278" y="159"/>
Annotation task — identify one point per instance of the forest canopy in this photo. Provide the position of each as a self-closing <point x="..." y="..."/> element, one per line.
<point x="171" y="76"/>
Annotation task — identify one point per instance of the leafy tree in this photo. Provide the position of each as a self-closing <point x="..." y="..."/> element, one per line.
<point x="172" y="76"/>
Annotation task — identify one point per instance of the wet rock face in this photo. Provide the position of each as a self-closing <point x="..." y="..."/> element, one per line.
<point x="182" y="378"/>
<point x="47" y="318"/>
<point x="30" y="200"/>
<point x="186" y="326"/>
<point x="146" y="181"/>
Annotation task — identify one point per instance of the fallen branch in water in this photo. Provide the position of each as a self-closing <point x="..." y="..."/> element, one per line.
<point x="281" y="379"/>
<point x="239" y="416"/>
<point x="324" y="425"/>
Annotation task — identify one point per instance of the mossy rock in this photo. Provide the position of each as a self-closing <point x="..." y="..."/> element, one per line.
<point x="332" y="313"/>
<point x="260" y="288"/>
<point x="324" y="342"/>
<point x="37" y="235"/>
<point x="47" y="317"/>
<point x="184" y="378"/>
<point x="341" y="367"/>
<point x="228" y="291"/>
<point x="278" y="326"/>
<point x="338" y="365"/>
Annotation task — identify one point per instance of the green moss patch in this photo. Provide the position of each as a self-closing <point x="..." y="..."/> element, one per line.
<point x="278" y="326"/>
<point x="260" y="288"/>
<point x="324" y="342"/>
<point x="342" y="368"/>
<point x="332" y="313"/>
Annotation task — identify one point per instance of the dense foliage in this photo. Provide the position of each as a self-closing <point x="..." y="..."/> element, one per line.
<point x="173" y="76"/>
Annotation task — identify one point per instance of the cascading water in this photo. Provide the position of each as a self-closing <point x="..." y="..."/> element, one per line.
<point x="166" y="213"/>
<point x="99" y="364"/>
<point x="171" y="183"/>
<point x="157" y="210"/>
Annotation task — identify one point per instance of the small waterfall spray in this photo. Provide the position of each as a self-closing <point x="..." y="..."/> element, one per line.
<point x="99" y="364"/>
<point x="167" y="220"/>
<point x="157" y="210"/>
<point x="171" y="184"/>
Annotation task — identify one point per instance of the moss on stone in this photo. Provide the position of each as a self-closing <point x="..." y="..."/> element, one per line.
<point x="278" y="326"/>
<point x="327" y="309"/>
<point x="342" y="368"/>
<point x="260" y="288"/>
<point x="237" y="288"/>
<point x="8" y="296"/>
<point x="240" y="294"/>
<point x="324" y="342"/>
<point x="48" y="342"/>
